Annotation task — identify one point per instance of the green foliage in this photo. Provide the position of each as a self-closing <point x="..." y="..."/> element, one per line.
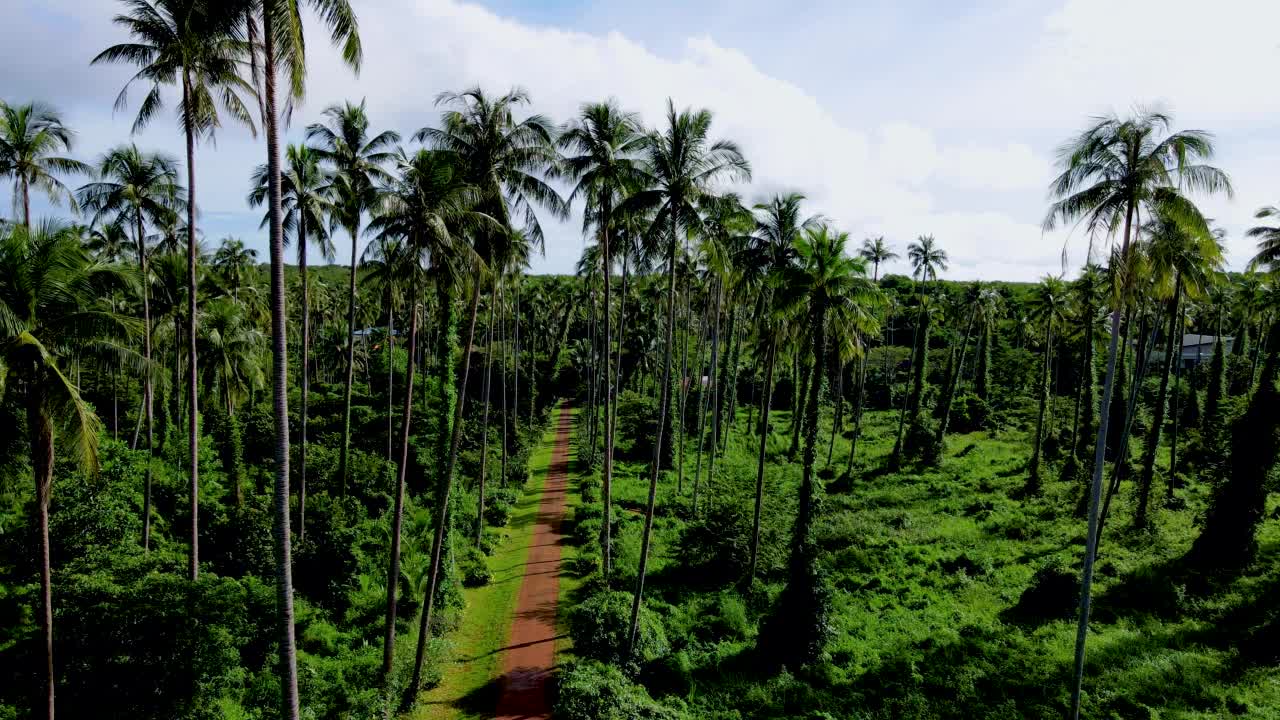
<point x="598" y="691"/>
<point x="599" y="626"/>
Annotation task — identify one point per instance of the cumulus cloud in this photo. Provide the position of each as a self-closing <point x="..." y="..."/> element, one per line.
<point x="980" y="193"/>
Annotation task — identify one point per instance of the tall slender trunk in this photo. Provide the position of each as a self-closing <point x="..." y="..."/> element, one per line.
<point x="193" y="427"/>
<point x="306" y="373"/>
<point x="506" y="363"/>
<point x="765" y="400"/>
<point x="1033" y="474"/>
<point x="837" y="416"/>
<point x="1147" y="477"/>
<point x="686" y="383"/>
<point x="397" y="517"/>
<point x="1095" y="491"/>
<point x="606" y="490"/>
<point x="859" y="401"/>
<point x="484" y="426"/>
<point x="717" y="397"/>
<point x="345" y="448"/>
<point x="729" y="376"/>
<point x="147" y="391"/>
<point x="953" y="380"/>
<point x="446" y="488"/>
<point x="515" y="382"/>
<point x="663" y="402"/>
<point x="1173" y="432"/>
<point x="280" y="393"/>
<point x="391" y="373"/>
<point x="709" y="392"/>
<point x="40" y="435"/>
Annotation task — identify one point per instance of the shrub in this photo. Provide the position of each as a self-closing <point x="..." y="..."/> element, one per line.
<point x="637" y="420"/>
<point x="596" y="691"/>
<point x="600" y="624"/>
<point x="475" y="571"/>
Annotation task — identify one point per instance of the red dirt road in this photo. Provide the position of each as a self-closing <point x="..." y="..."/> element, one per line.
<point x="531" y="651"/>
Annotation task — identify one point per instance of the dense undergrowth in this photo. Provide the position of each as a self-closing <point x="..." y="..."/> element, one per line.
<point x="954" y="592"/>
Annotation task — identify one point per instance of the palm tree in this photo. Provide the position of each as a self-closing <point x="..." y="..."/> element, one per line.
<point x="358" y="165"/>
<point x="134" y="187"/>
<point x="284" y="47"/>
<point x="683" y="163"/>
<point x="304" y="208"/>
<point x="234" y="261"/>
<point x="1268" y="237"/>
<point x="231" y="348"/>
<point x="926" y="260"/>
<point x="429" y="209"/>
<point x="825" y="284"/>
<point x="1112" y="173"/>
<point x="30" y="135"/>
<point x="600" y="149"/>
<point x="502" y="158"/>
<point x="875" y="251"/>
<point x="197" y="46"/>
<point x="1048" y="305"/>
<point x="1181" y="265"/>
<point x="52" y="309"/>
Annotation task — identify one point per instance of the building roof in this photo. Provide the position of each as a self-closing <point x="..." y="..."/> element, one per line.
<point x="1191" y="340"/>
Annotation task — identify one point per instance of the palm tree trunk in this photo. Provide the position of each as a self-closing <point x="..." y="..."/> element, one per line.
<point x="193" y="427"/>
<point x="687" y="381"/>
<point x="345" y="448"/>
<point x="808" y="376"/>
<point x="860" y="400"/>
<point x="729" y="398"/>
<point x="391" y="372"/>
<point x="26" y="223"/>
<point x="1173" y="432"/>
<point x="606" y="489"/>
<point x="484" y="426"/>
<point x="147" y="392"/>
<point x="1095" y="492"/>
<point x="953" y="381"/>
<point x="40" y="431"/>
<point x="708" y="393"/>
<point x="663" y="402"/>
<point x="306" y="373"/>
<point x="446" y="487"/>
<point x="397" y="517"/>
<point x="1033" y="474"/>
<point x="765" y="400"/>
<point x="506" y="364"/>
<point x="1157" y="423"/>
<point x="280" y="394"/>
<point x="837" y="416"/>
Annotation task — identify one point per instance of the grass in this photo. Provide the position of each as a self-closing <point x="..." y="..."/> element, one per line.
<point x="468" y="689"/>
<point x="926" y="564"/>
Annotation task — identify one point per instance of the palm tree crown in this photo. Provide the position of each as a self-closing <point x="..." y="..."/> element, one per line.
<point x="30" y="137"/>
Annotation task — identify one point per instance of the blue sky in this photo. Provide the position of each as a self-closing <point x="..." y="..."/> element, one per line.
<point x="895" y="118"/>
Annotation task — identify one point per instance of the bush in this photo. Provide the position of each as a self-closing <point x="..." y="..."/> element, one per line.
<point x="596" y="691"/>
<point x="969" y="413"/>
<point x="637" y="426"/>
<point x="600" y="624"/>
<point x="475" y="571"/>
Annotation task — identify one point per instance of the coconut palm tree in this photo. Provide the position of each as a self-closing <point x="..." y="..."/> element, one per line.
<point x="504" y="159"/>
<point x="1113" y="173"/>
<point x="134" y="187"/>
<point x="53" y="308"/>
<point x="358" y="165"/>
<point x="1268" y="238"/>
<point x="233" y="261"/>
<point x="683" y="163"/>
<point x="197" y="46"/>
<point x="284" y="48"/>
<point x="1181" y="264"/>
<point x="926" y="260"/>
<point x="824" y="283"/>
<point x="429" y="210"/>
<point x="1048" y="305"/>
<point x="30" y="137"/>
<point x="875" y="251"/>
<point x="600" y="149"/>
<point x="304" y="208"/>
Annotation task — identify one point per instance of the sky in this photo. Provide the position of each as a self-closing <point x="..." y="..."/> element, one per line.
<point x="893" y="118"/>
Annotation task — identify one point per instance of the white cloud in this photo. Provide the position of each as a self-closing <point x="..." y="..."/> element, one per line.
<point x="971" y="170"/>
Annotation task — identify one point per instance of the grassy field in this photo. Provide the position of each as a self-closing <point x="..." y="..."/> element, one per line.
<point x="469" y="687"/>
<point x="954" y="592"/>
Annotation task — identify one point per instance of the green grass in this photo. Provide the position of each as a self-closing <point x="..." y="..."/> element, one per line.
<point x="468" y="688"/>
<point x="926" y="564"/>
